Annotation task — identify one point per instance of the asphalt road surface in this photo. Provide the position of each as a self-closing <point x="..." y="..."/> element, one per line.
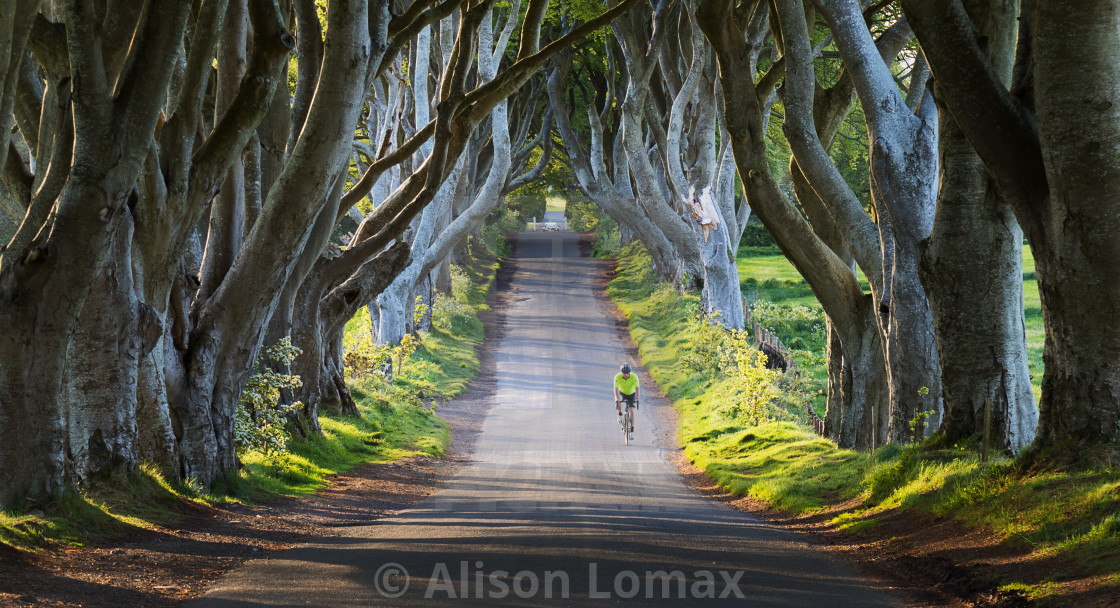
<point x="553" y="509"/>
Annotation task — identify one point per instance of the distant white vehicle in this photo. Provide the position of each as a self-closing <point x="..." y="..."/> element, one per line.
<point x="551" y="227"/>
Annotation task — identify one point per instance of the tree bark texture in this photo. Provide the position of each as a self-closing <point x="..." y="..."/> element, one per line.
<point x="63" y="262"/>
<point x="1051" y="143"/>
<point x="972" y="269"/>
<point x="227" y="211"/>
<point x="904" y="183"/>
<point x="1077" y="100"/>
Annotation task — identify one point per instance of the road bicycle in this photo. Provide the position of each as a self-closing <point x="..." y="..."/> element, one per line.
<point x="626" y="422"/>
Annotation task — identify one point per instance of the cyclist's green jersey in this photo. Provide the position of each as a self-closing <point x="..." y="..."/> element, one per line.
<point x="626" y="386"/>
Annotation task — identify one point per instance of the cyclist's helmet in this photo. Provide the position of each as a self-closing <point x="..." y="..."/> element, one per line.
<point x="625" y="368"/>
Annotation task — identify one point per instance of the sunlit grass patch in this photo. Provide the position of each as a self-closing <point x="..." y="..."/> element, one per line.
<point x="906" y="481"/>
<point x="286" y="474"/>
<point x="1028" y="260"/>
<point x="73" y="519"/>
<point x="379" y="435"/>
<point x="1034" y="592"/>
<point x="25" y="531"/>
<point x="781" y="463"/>
<point x="1058" y="513"/>
<point x="106" y="511"/>
<point x="1099" y="547"/>
<point x="761" y="267"/>
<point x="857" y="521"/>
<point x="449" y="360"/>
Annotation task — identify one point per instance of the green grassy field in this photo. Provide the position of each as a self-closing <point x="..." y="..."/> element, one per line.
<point x="766" y="274"/>
<point x="1067" y="521"/>
<point x="1036" y="332"/>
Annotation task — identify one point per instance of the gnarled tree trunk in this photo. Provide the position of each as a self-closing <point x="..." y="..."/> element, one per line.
<point x="972" y="270"/>
<point x="44" y="283"/>
<point x="1051" y="143"/>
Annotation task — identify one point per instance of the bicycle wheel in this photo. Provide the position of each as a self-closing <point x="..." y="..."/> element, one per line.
<point x="626" y="424"/>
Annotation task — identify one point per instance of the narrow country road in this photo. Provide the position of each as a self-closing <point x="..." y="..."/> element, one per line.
<point x="553" y="509"/>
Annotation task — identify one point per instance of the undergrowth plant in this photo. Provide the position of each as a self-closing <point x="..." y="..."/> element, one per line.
<point x="750" y="393"/>
<point x="419" y="310"/>
<point x="361" y="355"/>
<point x="450" y="315"/>
<point x="261" y="419"/>
<point x="404" y="350"/>
<point x="607" y="238"/>
<point x="460" y="285"/>
<point x="754" y="394"/>
<point x="710" y="354"/>
<point x="500" y="222"/>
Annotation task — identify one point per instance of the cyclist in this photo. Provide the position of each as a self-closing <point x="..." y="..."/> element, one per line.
<point x="626" y="389"/>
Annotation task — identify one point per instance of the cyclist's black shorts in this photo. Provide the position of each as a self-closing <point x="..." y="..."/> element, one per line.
<point x="629" y="399"/>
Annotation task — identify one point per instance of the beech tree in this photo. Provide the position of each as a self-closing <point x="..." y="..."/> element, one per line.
<point x="903" y="141"/>
<point x="972" y="270"/>
<point x="1049" y="139"/>
<point x="902" y="135"/>
<point x="818" y="236"/>
<point x="76" y="234"/>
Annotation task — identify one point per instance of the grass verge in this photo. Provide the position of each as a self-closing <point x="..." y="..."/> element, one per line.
<point x="1066" y="522"/>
